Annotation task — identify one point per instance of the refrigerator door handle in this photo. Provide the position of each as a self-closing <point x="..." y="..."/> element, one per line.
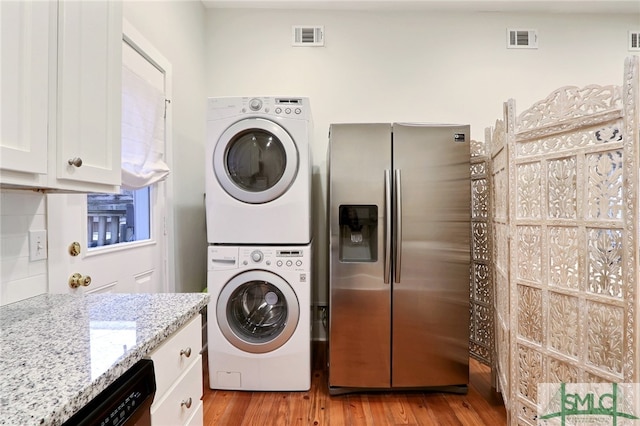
<point x="387" y="226"/>
<point x="397" y="232"/>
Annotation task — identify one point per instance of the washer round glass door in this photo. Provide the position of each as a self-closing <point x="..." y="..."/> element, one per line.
<point x="257" y="311"/>
<point x="255" y="160"/>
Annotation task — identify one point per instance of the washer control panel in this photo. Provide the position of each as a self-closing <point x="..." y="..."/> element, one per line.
<point x="291" y="259"/>
<point x="257" y="256"/>
<point x="272" y="258"/>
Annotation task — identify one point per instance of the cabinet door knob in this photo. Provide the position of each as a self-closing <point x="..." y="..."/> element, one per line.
<point x="186" y="352"/>
<point x="77" y="280"/>
<point x="186" y="403"/>
<point x="75" y="161"/>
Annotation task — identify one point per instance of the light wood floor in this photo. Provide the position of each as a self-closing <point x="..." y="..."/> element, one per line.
<point x="480" y="406"/>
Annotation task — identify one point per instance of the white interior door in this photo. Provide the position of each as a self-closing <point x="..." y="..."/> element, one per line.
<point x="140" y="266"/>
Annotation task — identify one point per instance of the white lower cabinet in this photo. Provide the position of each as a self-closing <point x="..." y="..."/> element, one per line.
<point x="182" y="401"/>
<point x="197" y="419"/>
<point x="178" y="367"/>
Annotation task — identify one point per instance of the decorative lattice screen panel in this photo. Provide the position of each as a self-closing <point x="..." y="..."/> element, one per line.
<point x="497" y="140"/>
<point x="573" y="217"/>
<point x="481" y="289"/>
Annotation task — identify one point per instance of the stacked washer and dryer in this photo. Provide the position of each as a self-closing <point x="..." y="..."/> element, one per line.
<point x="258" y="211"/>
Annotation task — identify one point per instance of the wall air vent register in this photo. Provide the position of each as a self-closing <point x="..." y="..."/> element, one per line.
<point x="522" y="39"/>
<point x="634" y="40"/>
<point x="307" y="35"/>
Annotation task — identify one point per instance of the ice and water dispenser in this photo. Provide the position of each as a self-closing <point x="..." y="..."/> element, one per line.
<point x="358" y="233"/>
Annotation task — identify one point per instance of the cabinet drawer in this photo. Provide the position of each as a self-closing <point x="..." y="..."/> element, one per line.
<point x="197" y="419"/>
<point x="180" y="403"/>
<point x="170" y="359"/>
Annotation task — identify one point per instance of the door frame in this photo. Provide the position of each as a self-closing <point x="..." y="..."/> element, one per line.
<point x="72" y="208"/>
<point x="138" y="42"/>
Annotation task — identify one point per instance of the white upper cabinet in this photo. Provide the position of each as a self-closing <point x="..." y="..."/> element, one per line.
<point x="89" y="91"/>
<point x="25" y="41"/>
<point x="61" y="95"/>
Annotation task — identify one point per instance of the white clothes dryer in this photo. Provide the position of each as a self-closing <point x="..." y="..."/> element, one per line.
<point x="258" y="171"/>
<point x="259" y="317"/>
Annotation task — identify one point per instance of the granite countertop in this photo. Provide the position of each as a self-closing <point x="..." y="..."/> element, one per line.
<point x="58" y="351"/>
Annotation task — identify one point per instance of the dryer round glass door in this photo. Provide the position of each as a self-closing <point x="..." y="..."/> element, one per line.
<point x="257" y="311"/>
<point x="255" y="160"/>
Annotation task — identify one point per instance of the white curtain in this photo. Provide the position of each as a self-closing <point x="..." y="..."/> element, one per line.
<point x="143" y="111"/>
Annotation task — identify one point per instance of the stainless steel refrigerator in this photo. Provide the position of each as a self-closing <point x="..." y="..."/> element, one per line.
<point x="399" y="220"/>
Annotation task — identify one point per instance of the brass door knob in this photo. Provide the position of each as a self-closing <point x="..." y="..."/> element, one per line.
<point x="74" y="248"/>
<point x="77" y="280"/>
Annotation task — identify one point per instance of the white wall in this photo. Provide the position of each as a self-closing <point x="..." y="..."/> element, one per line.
<point x="20" y="212"/>
<point x="176" y="29"/>
<point x="380" y="66"/>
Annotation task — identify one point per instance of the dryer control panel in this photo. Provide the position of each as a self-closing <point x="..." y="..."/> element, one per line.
<point x="285" y="107"/>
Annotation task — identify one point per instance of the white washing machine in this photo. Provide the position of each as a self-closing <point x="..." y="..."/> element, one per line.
<point x="259" y="330"/>
<point x="258" y="170"/>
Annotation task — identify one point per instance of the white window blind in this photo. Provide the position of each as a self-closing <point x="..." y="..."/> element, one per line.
<point x="143" y="107"/>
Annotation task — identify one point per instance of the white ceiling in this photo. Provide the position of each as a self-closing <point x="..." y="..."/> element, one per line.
<point x="528" y="6"/>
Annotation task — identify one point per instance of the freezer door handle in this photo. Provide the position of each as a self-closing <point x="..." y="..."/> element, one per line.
<point x="397" y="208"/>
<point x="387" y="226"/>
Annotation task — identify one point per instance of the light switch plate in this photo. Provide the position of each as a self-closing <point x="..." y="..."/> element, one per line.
<point x="37" y="245"/>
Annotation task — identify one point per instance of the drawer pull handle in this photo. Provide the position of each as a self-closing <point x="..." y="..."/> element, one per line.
<point x="187" y="353"/>
<point x="186" y="403"/>
<point x="75" y="161"/>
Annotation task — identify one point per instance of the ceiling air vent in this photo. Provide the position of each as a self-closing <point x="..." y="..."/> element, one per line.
<point x="522" y="39"/>
<point x="634" y="40"/>
<point x="308" y="35"/>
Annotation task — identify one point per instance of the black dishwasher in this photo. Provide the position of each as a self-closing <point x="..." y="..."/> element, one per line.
<point x="126" y="402"/>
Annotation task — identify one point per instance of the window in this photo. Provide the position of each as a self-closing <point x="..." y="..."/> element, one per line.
<point x="126" y="217"/>
<point x="118" y="218"/>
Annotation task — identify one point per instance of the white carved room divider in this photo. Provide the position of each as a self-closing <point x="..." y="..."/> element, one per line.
<point x="481" y="290"/>
<point x="573" y="235"/>
<point x="499" y="172"/>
